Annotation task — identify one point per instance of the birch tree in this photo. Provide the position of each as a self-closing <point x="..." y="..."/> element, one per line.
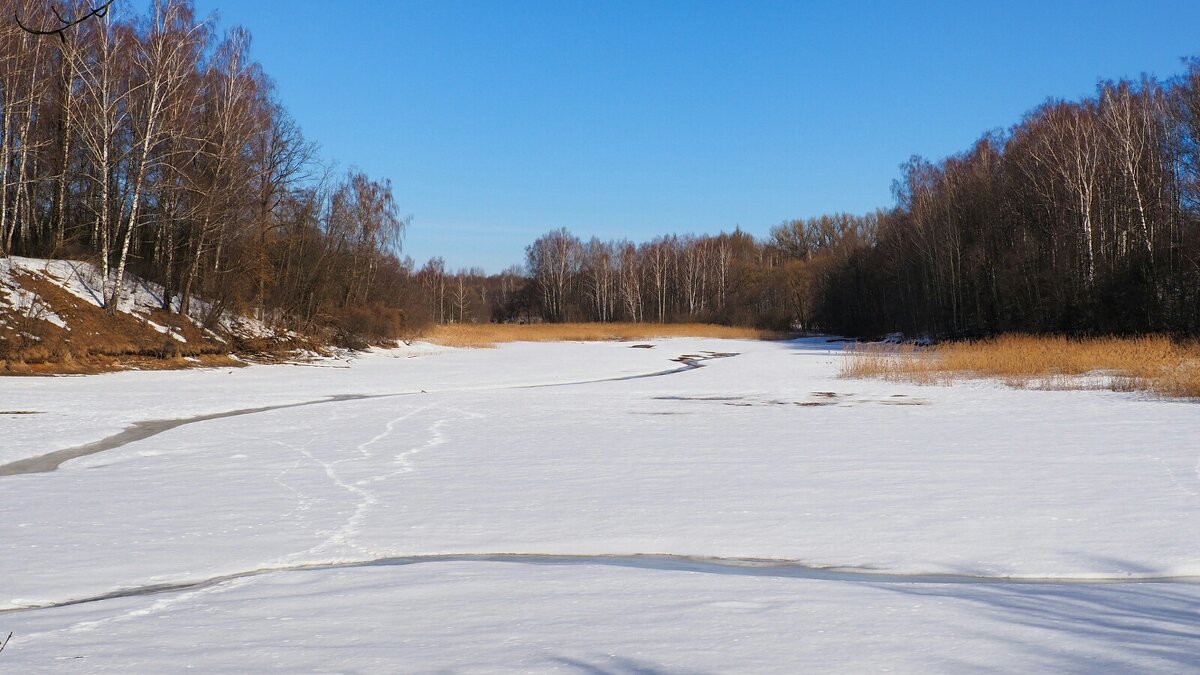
<point x="164" y="55"/>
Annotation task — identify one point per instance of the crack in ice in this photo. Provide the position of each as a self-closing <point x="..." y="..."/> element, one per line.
<point x="345" y="535"/>
<point x="665" y="562"/>
<point x="144" y="429"/>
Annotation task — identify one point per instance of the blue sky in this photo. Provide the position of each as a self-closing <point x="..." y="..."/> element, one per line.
<point x="498" y="121"/>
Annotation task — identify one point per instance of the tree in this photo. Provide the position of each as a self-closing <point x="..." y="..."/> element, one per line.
<point x="553" y="262"/>
<point x="165" y="52"/>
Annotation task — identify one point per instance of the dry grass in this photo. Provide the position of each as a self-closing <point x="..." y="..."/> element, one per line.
<point x="489" y="334"/>
<point x="1154" y="364"/>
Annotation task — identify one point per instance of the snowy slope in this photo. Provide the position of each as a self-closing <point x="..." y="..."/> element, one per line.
<point x="53" y="319"/>
<point x="85" y="281"/>
<point x="760" y="455"/>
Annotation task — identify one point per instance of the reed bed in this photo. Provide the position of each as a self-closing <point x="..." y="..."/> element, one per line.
<point x="490" y="334"/>
<point x="1153" y="363"/>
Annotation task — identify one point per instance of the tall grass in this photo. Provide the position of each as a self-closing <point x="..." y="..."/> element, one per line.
<point x="1153" y="363"/>
<point x="489" y="334"/>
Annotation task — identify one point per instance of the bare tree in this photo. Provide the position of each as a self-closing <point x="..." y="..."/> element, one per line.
<point x="104" y="88"/>
<point x="658" y="257"/>
<point x="462" y="294"/>
<point x="553" y="261"/>
<point x="164" y="55"/>
<point x="630" y="272"/>
<point x="432" y="278"/>
<point x="599" y="278"/>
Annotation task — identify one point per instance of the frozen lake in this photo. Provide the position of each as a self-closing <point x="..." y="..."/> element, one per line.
<point x="592" y="508"/>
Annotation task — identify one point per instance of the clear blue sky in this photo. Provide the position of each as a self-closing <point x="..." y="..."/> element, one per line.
<point x="498" y="121"/>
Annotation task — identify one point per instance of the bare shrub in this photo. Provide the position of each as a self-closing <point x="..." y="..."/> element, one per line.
<point x="360" y="327"/>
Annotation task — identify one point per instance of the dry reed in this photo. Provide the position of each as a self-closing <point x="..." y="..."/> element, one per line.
<point x="489" y="334"/>
<point x="1154" y="364"/>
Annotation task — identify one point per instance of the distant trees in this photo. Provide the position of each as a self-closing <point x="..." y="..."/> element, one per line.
<point x="153" y="145"/>
<point x="554" y="262"/>
<point x="669" y="278"/>
<point x="1082" y="218"/>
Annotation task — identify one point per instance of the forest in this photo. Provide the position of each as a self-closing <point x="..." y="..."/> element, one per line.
<point x="151" y="145"/>
<point x="1083" y="218"/>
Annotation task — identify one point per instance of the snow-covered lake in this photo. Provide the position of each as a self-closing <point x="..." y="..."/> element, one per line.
<point x="594" y="508"/>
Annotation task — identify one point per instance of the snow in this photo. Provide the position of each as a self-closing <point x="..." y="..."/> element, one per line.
<point x="466" y="617"/>
<point x="138" y="297"/>
<point x="22" y="300"/>
<point x="166" y="330"/>
<point x="896" y="520"/>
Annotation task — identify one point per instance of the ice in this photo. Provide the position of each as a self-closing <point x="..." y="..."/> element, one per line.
<point x="594" y="508"/>
<point x="469" y="617"/>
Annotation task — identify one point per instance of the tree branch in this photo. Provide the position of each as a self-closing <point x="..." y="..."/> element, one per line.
<point x="97" y="11"/>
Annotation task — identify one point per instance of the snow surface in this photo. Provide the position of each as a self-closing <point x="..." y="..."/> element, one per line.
<point x="138" y="297"/>
<point x="563" y="449"/>
<point x="166" y="330"/>
<point x="461" y="617"/>
<point x="21" y="300"/>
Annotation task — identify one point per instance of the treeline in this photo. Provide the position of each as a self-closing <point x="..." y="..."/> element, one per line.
<point x="729" y="278"/>
<point x="1083" y="218"/>
<point x="149" y="144"/>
